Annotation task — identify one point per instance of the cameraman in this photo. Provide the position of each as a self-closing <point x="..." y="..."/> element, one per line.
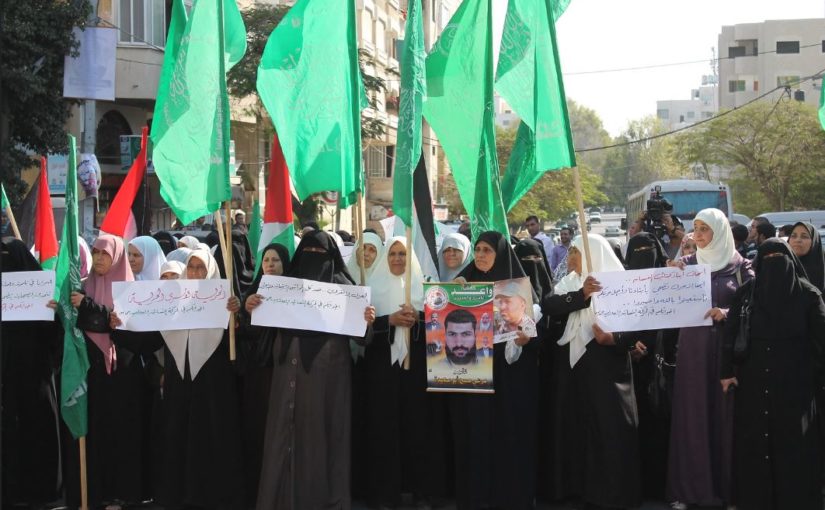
<point x="675" y="233"/>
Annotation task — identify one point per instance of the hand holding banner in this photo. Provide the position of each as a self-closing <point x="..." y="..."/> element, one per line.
<point x="171" y="304"/>
<point x="314" y="306"/>
<point x="661" y="298"/>
<point x="26" y="294"/>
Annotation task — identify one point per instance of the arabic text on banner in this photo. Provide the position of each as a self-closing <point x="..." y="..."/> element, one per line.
<point x="315" y="306"/>
<point x="661" y="298"/>
<point x="26" y="294"/>
<point x="163" y="305"/>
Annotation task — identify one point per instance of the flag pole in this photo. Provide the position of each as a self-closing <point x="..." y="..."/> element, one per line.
<point x="582" y="222"/>
<point x="84" y="486"/>
<point x="10" y="216"/>
<point x="408" y="292"/>
<point x="227" y="264"/>
<point x="359" y="218"/>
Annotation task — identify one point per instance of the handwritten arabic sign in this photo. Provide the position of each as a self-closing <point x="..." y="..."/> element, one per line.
<point x="26" y="294"/>
<point x="162" y="305"/>
<point x="315" y="306"/>
<point x="661" y="298"/>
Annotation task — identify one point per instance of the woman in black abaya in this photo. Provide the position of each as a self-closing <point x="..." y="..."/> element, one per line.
<point x="306" y="455"/>
<point x="776" y="445"/>
<point x="495" y="436"/>
<point x="31" y="441"/>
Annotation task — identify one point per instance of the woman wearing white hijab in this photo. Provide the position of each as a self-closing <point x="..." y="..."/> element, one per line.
<point x="701" y="434"/>
<point x="190" y="242"/>
<point x="373" y="250"/>
<point x="172" y="270"/>
<point x="145" y="258"/>
<point x="596" y="440"/>
<point x="453" y="256"/>
<point x="179" y="255"/>
<point x="201" y="429"/>
<point x="403" y="421"/>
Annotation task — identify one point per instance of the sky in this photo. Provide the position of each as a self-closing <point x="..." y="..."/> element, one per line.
<point x="608" y="34"/>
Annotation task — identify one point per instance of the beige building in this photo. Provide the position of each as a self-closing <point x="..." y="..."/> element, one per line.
<point x="762" y="56"/>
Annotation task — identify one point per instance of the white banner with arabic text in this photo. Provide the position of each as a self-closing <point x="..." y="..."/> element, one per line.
<point x="162" y="305"/>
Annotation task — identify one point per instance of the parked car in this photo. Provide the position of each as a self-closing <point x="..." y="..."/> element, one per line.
<point x="595" y="217"/>
<point x="613" y="232"/>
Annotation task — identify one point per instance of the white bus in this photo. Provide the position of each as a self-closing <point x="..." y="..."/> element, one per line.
<point x="687" y="196"/>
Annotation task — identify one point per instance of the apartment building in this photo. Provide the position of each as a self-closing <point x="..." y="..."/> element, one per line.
<point x="702" y="104"/>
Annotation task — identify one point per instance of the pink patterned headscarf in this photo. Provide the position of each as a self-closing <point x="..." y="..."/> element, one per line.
<point x="99" y="288"/>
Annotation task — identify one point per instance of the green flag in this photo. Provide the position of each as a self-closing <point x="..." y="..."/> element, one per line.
<point x="73" y="398"/>
<point x="5" y="198"/>
<point x="310" y="83"/>
<point x="821" y="106"/>
<point x="190" y="130"/>
<point x="529" y="78"/>
<point x="413" y="89"/>
<point x="459" y="108"/>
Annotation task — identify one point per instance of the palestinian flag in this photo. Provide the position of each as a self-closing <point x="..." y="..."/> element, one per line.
<point x="424" y="230"/>
<point x="278" y="226"/>
<point x="120" y="220"/>
<point x="45" y="235"/>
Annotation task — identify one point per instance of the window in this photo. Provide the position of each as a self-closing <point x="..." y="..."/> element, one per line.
<point x="142" y="22"/>
<point x="736" y="86"/>
<point x="691" y="115"/>
<point x="375" y="162"/>
<point x="756" y="85"/>
<point x="707" y="115"/>
<point x="787" y="81"/>
<point x="787" y="46"/>
<point x="390" y="152"/>
<point x="505" y="122"/>
<point x="823" y="46"/>
<point x="663" y="113"/>
<point x="111" y="126"/>
<point x="736" y="51"/>
<point x="681" y="118"/>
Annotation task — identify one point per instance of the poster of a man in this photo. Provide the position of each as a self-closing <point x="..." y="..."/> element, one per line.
<point x="465" y="331"/>
<point x="513" y="305"/>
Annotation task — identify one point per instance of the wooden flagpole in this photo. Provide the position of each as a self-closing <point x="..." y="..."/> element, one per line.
<point x="408" y="292"/>
<point x="227" y="264"/>
<point x="230" y="266"/>
<point x="14" y="228"/>
<point x="359" y="218"/>
<point x="582" y="221"/>
<point x="84" y="484"/>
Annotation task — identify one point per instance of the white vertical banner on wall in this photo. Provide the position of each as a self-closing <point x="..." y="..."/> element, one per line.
<point x="91" y="75"/>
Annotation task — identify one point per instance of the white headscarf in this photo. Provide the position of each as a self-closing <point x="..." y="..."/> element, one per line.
<point x="388" y="293"/>
<point x="719" y="252"/>
<point x="458" y="242"/>
<point x="201" y="343"/>
<point x="153" y="257"/>
<point x="579" y="330"/>
<point x="172" y="266"/>
<point x="352" y="264"/>
<point x="85" y="257"/>
<point x="179" y="255"/>
<point x="190" y="242"/>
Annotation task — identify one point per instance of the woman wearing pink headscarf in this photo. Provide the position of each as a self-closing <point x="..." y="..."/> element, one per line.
<point x="118" y="393"/>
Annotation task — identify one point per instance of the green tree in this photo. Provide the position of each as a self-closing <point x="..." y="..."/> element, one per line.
<point x="588" y="132"/>
<point x="629" y="167"/>
<point x="35" y="37"/>
<point x="776" y="153"/>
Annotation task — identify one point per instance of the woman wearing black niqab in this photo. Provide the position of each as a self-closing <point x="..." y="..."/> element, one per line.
<point x="306" y="456"/>
<point x="776" y="455"/>
<point x="502" y="474"/>
<point x="30" y="360"/>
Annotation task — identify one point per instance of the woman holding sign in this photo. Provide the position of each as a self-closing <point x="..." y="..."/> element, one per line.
<point x="777" y="455"/>
<point x="701" y="435"/>
<point x="255" y="364"/>
<point x="495" y="436"/>
<point x="404" y="423"/>
<point x="31" y="358"/>
<point x="597" y="452"/>
<point x="306" y="456"/>
<point x="120" y="397"/>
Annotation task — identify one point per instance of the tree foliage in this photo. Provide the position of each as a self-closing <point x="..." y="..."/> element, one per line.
<point x="629" y="167"/>
<point x="775" y="151"/>
<point x="35" y="37"/>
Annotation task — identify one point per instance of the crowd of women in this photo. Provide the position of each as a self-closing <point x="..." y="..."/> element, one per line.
<point x="716" y="415"/>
